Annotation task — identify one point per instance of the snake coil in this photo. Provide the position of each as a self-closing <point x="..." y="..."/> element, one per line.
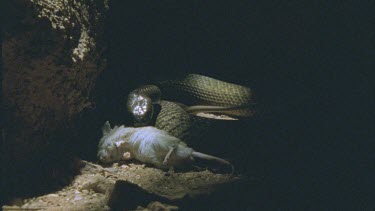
<point x="182" y="98"/>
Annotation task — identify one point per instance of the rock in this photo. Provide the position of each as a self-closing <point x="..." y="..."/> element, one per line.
<point x="98" y="184"/>
<point x="77" y="198"/>
<point x="52" y="55"/>
<point x="155" y="205"/>
<point x="153" y="190"/>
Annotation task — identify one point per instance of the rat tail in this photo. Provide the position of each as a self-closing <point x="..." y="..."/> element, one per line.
<point x="210" y="157"/>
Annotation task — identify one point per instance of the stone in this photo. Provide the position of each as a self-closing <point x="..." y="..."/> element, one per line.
<point x="52" y="53"/>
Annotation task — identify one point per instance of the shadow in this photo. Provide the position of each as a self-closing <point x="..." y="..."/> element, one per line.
<point x="127" y="196"/>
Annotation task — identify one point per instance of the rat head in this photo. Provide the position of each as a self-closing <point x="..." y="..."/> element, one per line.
<point x="109" y="153"/>
<point x="112" y="145"/>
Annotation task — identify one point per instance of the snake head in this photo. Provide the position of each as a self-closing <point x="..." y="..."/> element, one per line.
<point x="141" y="108"/>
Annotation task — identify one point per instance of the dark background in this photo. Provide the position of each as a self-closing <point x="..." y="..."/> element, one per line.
<point x="304" y="59"/>
<point x="1" y="115"/>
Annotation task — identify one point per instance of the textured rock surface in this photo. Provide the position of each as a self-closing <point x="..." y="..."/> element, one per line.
<point x="52" y="54"/>
<point x="128" y="187"/>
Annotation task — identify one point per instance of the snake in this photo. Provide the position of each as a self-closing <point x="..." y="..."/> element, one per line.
<point x="172" y="105"/>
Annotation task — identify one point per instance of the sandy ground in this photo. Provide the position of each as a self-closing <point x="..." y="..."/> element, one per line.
<point x="122" y="186"/>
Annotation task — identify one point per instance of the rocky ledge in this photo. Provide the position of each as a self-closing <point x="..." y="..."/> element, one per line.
<point x="122" y="186"/>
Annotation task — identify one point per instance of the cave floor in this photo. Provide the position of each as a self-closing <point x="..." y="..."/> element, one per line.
<point x="129" y="186"/>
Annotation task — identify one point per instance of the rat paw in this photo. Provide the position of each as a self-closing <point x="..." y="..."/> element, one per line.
<point x="127" y="156"/>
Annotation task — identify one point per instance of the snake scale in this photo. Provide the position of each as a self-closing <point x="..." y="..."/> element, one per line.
<point x="170" y="105"/>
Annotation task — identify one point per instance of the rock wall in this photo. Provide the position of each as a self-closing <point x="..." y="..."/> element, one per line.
<point x="53" y="52"/>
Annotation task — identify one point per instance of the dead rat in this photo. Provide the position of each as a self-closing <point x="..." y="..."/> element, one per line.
<point x="148" y="145"/>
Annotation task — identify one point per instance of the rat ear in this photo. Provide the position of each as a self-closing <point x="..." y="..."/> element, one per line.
<point x="106" y="128"/>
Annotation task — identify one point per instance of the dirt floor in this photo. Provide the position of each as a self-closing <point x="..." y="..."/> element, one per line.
<point x="128" y="186"/>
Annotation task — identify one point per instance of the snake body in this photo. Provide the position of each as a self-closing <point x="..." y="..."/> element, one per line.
<point x="194" y="93"/>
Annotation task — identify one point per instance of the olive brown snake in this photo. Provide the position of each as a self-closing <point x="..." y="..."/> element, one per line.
<point x="169" y="105"/>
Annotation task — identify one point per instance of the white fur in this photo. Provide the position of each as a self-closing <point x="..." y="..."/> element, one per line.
<point x="109" y="145"/>
<point x="146" y="144"/>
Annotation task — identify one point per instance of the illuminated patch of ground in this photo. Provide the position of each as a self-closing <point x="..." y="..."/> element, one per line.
<point x="129" y="186"/>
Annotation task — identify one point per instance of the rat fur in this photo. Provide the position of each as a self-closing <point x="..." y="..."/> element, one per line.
<point x="148" y="145"/>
